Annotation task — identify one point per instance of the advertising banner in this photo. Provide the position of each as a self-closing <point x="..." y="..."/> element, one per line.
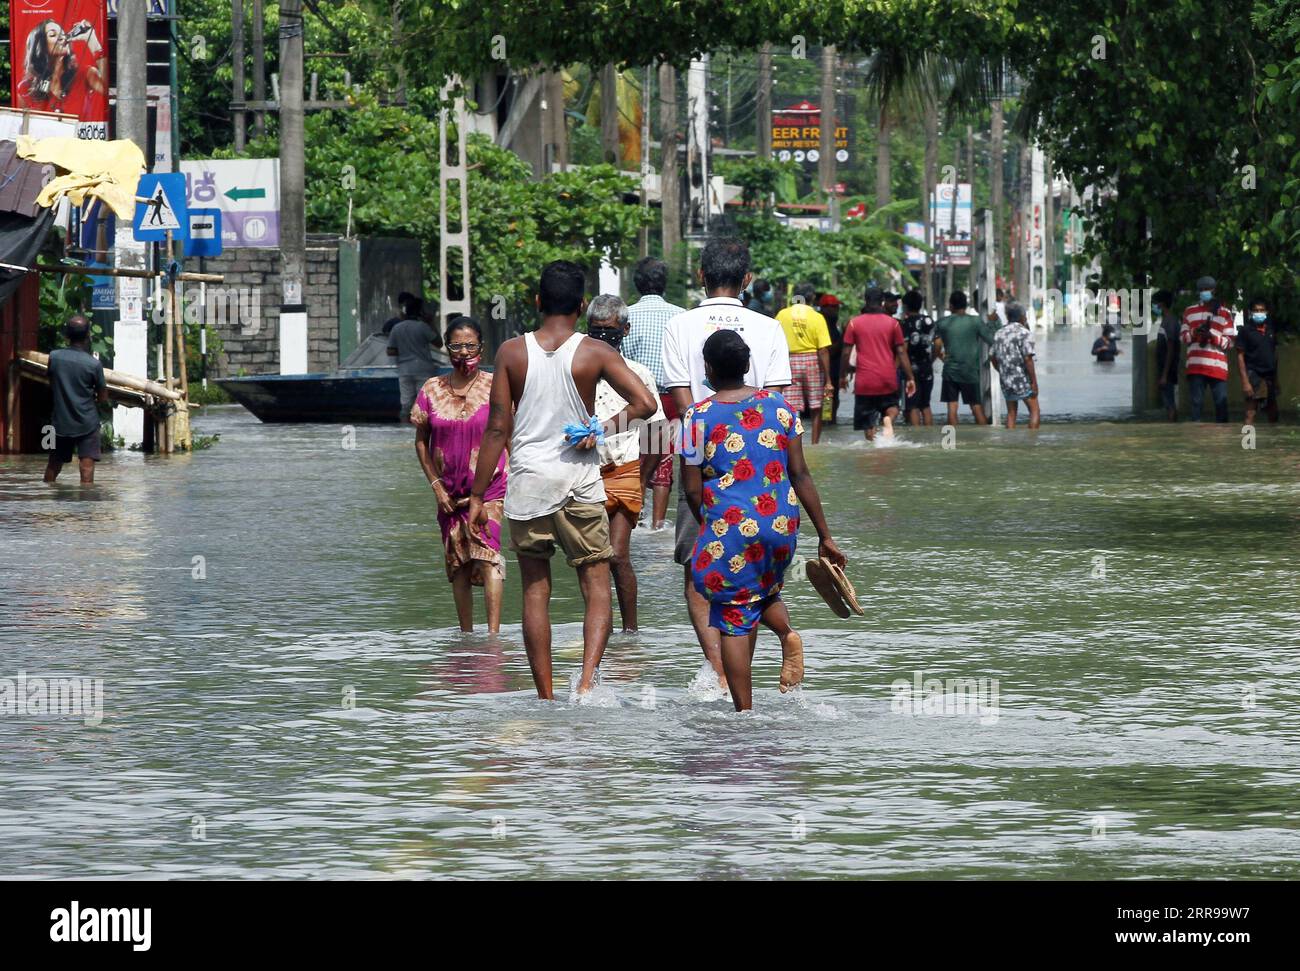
<point x="60" y="63"/>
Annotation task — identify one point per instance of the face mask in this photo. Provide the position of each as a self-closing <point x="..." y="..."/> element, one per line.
<point x="767" y="297"/>
<point x="1157" y="312"/>
<point x="467" y="365"/>
<point x="1206" y="296"/>
<point x="1259" y="318"/>
<point x="612" y="337"/>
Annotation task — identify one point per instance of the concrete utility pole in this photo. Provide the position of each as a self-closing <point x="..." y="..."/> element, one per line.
<point x="132" y="98"/>
<point x="697" y="143"/>
<point x="931" y="175"/>
<point x="130" y="332"/>
<point x="609" y="140"/>
<point x="826" y="141"/>
<point x="237" y="68"/>
<point x="763" y="102"/>
<point x="669" y="181"/>
<point x="293" y="216"/>
<point x="995" y="172"/>
<point x="643" y="235"/>
<point x="259" y="66"/>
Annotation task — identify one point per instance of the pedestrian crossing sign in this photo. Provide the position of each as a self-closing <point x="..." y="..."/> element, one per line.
<point x="164" y="209"/>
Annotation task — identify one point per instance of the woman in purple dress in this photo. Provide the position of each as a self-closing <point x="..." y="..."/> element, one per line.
<point x="450" y="414"/>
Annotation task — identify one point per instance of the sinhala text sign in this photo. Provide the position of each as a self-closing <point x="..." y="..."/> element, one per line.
<point x="247" y="191"/>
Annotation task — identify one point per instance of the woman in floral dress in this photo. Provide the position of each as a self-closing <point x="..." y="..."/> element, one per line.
<point x="745" y="477"/>
<point x="450" y="415"/>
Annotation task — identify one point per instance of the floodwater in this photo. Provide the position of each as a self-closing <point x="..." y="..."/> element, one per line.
<point x="298" y="702"/>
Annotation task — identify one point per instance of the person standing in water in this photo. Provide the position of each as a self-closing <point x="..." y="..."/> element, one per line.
<point x="724" y="271"/>
<point x="78" y="387"/>
<point x="546" y="381"/>
<point x="1013" y="357"/>
<point x="625" y="466"/>
<point x="450" y="415"/>
<point x="881" y="357"/>
<point x="745" y="478"/>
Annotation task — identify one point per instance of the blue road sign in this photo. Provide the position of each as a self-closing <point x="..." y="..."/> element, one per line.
<point x="165" y="209"/>
<point x="204" y="233"/>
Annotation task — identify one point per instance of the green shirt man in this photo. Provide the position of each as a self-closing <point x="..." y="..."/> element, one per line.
<point x="961" y="335"/>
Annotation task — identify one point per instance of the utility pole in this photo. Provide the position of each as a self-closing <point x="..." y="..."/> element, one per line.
<point x="995" y="173"/>
<point x="931" y="175"/>
<point x="643" y="235"/>
<point x="970" y="160"/>
<point x="826" y="140"/>
<point x="949" y="277"/>
<point x="237" y="68"/>
<point x="293" y="221"/>
<point x="259" y="66"/>
<point x="130" y="332"/>
<point x="697" y="143"/>
<point x="609" y="140"/>
<point x="763" y="103"/>
<point x="669" y="180"/>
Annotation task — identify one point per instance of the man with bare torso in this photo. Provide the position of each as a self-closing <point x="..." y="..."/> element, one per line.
<point x="546" y="381"/>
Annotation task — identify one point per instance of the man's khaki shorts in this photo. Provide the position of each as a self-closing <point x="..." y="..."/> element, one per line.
<point x="581" y="529"/>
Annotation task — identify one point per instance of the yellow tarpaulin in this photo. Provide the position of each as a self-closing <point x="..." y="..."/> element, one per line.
<point x="104" y="170"/>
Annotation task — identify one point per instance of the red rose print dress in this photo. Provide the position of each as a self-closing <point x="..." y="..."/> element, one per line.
<point x="751" y="516"/>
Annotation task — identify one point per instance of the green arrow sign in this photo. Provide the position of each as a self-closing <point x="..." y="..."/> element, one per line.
<point x="237" y="194"/>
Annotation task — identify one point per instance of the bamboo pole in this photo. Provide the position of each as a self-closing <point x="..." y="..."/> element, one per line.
<point x="41" y="360"/>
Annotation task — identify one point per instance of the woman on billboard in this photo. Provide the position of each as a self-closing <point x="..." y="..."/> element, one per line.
<point x="53" y="78"/>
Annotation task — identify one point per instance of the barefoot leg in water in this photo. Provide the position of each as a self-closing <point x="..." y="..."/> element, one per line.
<point x="777" y="619"/>
<point x="737" y="662"/>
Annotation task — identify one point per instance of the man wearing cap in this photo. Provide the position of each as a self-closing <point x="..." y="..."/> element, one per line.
<point x="829" y="304"/>
<point x="1208" y="331"/>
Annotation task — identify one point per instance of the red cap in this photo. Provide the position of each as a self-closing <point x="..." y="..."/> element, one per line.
<point x="828" y="300"/>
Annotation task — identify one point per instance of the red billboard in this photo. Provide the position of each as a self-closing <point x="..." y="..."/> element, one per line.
<point x="60" y="60"/>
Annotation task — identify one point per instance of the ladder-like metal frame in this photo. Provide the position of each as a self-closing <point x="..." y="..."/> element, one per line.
<point x="449" y="171"/>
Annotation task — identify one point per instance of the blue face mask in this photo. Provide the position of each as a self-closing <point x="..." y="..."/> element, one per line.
<point x="1206" y="296"/>
<point x="1157" y="312"/>
<point x="1259" y="318"/>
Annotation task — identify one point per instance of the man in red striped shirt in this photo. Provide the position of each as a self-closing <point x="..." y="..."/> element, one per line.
<point x="1208" y="331"/>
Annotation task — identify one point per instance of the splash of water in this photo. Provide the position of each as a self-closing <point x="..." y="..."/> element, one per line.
<point x="704" y="686"/>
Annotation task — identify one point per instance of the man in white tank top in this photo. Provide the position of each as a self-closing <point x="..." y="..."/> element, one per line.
<point x="544" y="381"/>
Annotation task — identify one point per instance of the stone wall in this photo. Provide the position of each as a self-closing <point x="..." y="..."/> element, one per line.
<point x="245" y="310"/>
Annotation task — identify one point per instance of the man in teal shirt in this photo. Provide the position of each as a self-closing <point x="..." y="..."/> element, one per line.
<point x="957" y="343"/>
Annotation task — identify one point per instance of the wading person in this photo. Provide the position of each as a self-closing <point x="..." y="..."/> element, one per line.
<point x="1208" y="331"/>
<point x="1167" y="350"/>
<point x="78" y="388"/>
<point x="829" y="304"/>
<point x="624" y="468"/>
<point x="412" y="341"/>
<point x="647" y="320"/>
<point x="1106" y="347"/>
<point x="1013" y="356"/>
<point x="957" y="343"/>
<point x="450" y="415"/>
<point x="918" y="332"/>
<point x="745" y="480"/>
<point x="543" y="390"/>
<point x="1257" y="363"/>
<point x="724" y="271"/>
<point x="809" y="339"/>
<point x="878" y="340"/>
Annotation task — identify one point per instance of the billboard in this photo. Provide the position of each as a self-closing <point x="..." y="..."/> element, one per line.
<point x="951" y="230"/>
<point x="60" y="62"/>
<point x="796" y="134"/>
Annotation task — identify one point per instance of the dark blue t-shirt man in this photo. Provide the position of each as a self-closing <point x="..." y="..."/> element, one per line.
<point x="78" y="387"/>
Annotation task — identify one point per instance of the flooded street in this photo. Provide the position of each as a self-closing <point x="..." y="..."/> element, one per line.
<point x="299" y="703"/>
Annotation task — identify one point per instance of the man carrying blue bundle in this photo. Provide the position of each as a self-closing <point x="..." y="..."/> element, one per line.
<point x="544" y="383"/>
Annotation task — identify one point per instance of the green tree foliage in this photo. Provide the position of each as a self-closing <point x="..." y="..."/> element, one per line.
<point x="1180" y="112"/>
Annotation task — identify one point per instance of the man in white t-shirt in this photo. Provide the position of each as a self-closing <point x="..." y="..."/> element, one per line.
<point x="724" y="271"/>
